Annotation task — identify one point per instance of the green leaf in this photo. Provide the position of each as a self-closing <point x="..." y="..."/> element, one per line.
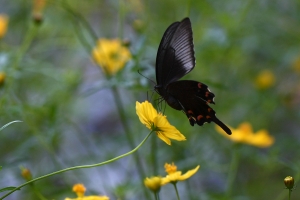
<point x="7" y="189"/>
<point x="6" y="125"/>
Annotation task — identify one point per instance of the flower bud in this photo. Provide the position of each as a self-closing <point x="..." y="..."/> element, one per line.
<point x="153" y="183"/>
<point x="37" y="18"/>
<point x="289" y="182"/>
<point x="79" y="189"/>
<point x="26" y="174"/>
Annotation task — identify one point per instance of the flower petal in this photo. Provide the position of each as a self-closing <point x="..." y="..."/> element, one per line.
<point x="167" y="129"/>
<point x="188" y="174"/>
<point x="261" y="139"/>
<point x="163" y="137"/>
<point x="146" y="113"/>
<point x="174" y="177"/>
<point x="245" y="134"/>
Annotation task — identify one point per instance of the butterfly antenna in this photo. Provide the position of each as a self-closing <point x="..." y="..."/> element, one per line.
<point x="146" y="77"/>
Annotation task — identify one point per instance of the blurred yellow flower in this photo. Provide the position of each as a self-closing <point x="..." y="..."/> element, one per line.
<point x="245" y="134"/>
<point x="37" y="10"/>
<point x="135" y="5"/>
<point x="2" y="77"/>
<point x="26" y="174"/>
<point x="174" y="175"/>
<point x="157" y="122"/>
<point x="296" y="65"/>
<point x="38" y="6"/>
<point x="111" y="55"/>
<point x="154" y="183"/>
<point x="79" y="189"/>
<point x="3" y="24"/>
<point x="265" y="79"/>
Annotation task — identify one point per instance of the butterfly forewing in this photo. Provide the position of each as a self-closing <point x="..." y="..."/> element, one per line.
<point x="175" y="56"/>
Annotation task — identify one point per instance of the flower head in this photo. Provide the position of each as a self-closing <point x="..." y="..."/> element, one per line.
<point x="3" y="25"/>
<point x="265" y="79"/>
<point x="174" y="175"/>
<point x="26" y="174"/>
<point x="157" y="122"/>
<point x="153" y="183"/>
<point x="111" y="55"/>
<point x="296" y="64"/>
<point x="2" y="78"/>
<point x="79" y="189"/>
<point x="245" y="134"/>
<point x="289" y="182"/>
<point x="37" y="10"/>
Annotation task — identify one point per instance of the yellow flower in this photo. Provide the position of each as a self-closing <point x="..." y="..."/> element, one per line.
<point x="26" y="174"/>
<point x="37" y="10"/>
<point x="38" y="6"/>
<point x="296" y="65"/>
<point x="157" y="122"/>
<point x="3" y="24"/>
<point x="154" y="183"/>
<point x="2" y="78"/>
<point x="265" y="79"/>
<point x="174" y="175"/>
<point x="245" y="134"/>
<point x="111" y="55"/>
<point x="79" y="189"/>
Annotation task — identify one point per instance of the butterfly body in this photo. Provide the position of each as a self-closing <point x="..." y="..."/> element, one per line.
<point x="175" y="58"/>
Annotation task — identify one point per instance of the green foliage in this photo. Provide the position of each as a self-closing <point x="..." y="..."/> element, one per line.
<point x="73" y="114"/>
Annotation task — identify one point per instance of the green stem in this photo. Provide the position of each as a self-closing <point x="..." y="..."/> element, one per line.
<point x="156" y="196"/>
<point x="37" y="193"/>
<point x="29" y="36"/>
<point x="116" y="95"/>
<point x="188" y="7"/>
<point x="81" y="19"/>
<point x="290" y="192"/>
<point x="78" y="167"/>
<point x="177" y="194"/>
<point x="121" y="17"/>
<point x="154" y="155"/>
<point x="129" y="137"/>
<point x="232" y="170"/>
<point x="130" y="141"/>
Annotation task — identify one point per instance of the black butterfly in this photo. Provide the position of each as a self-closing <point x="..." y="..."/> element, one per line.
<point x="175" y="58"/>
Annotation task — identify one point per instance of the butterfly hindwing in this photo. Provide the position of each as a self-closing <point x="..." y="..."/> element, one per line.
<point x="175" y="56"/>
<point x="191" y="87"/>
<point x="194" y="98"/>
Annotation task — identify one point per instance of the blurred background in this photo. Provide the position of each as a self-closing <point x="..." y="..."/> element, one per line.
<point x="73" y="113"/>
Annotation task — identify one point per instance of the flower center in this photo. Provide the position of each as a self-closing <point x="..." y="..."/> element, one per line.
<point x="170" y="168"/>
